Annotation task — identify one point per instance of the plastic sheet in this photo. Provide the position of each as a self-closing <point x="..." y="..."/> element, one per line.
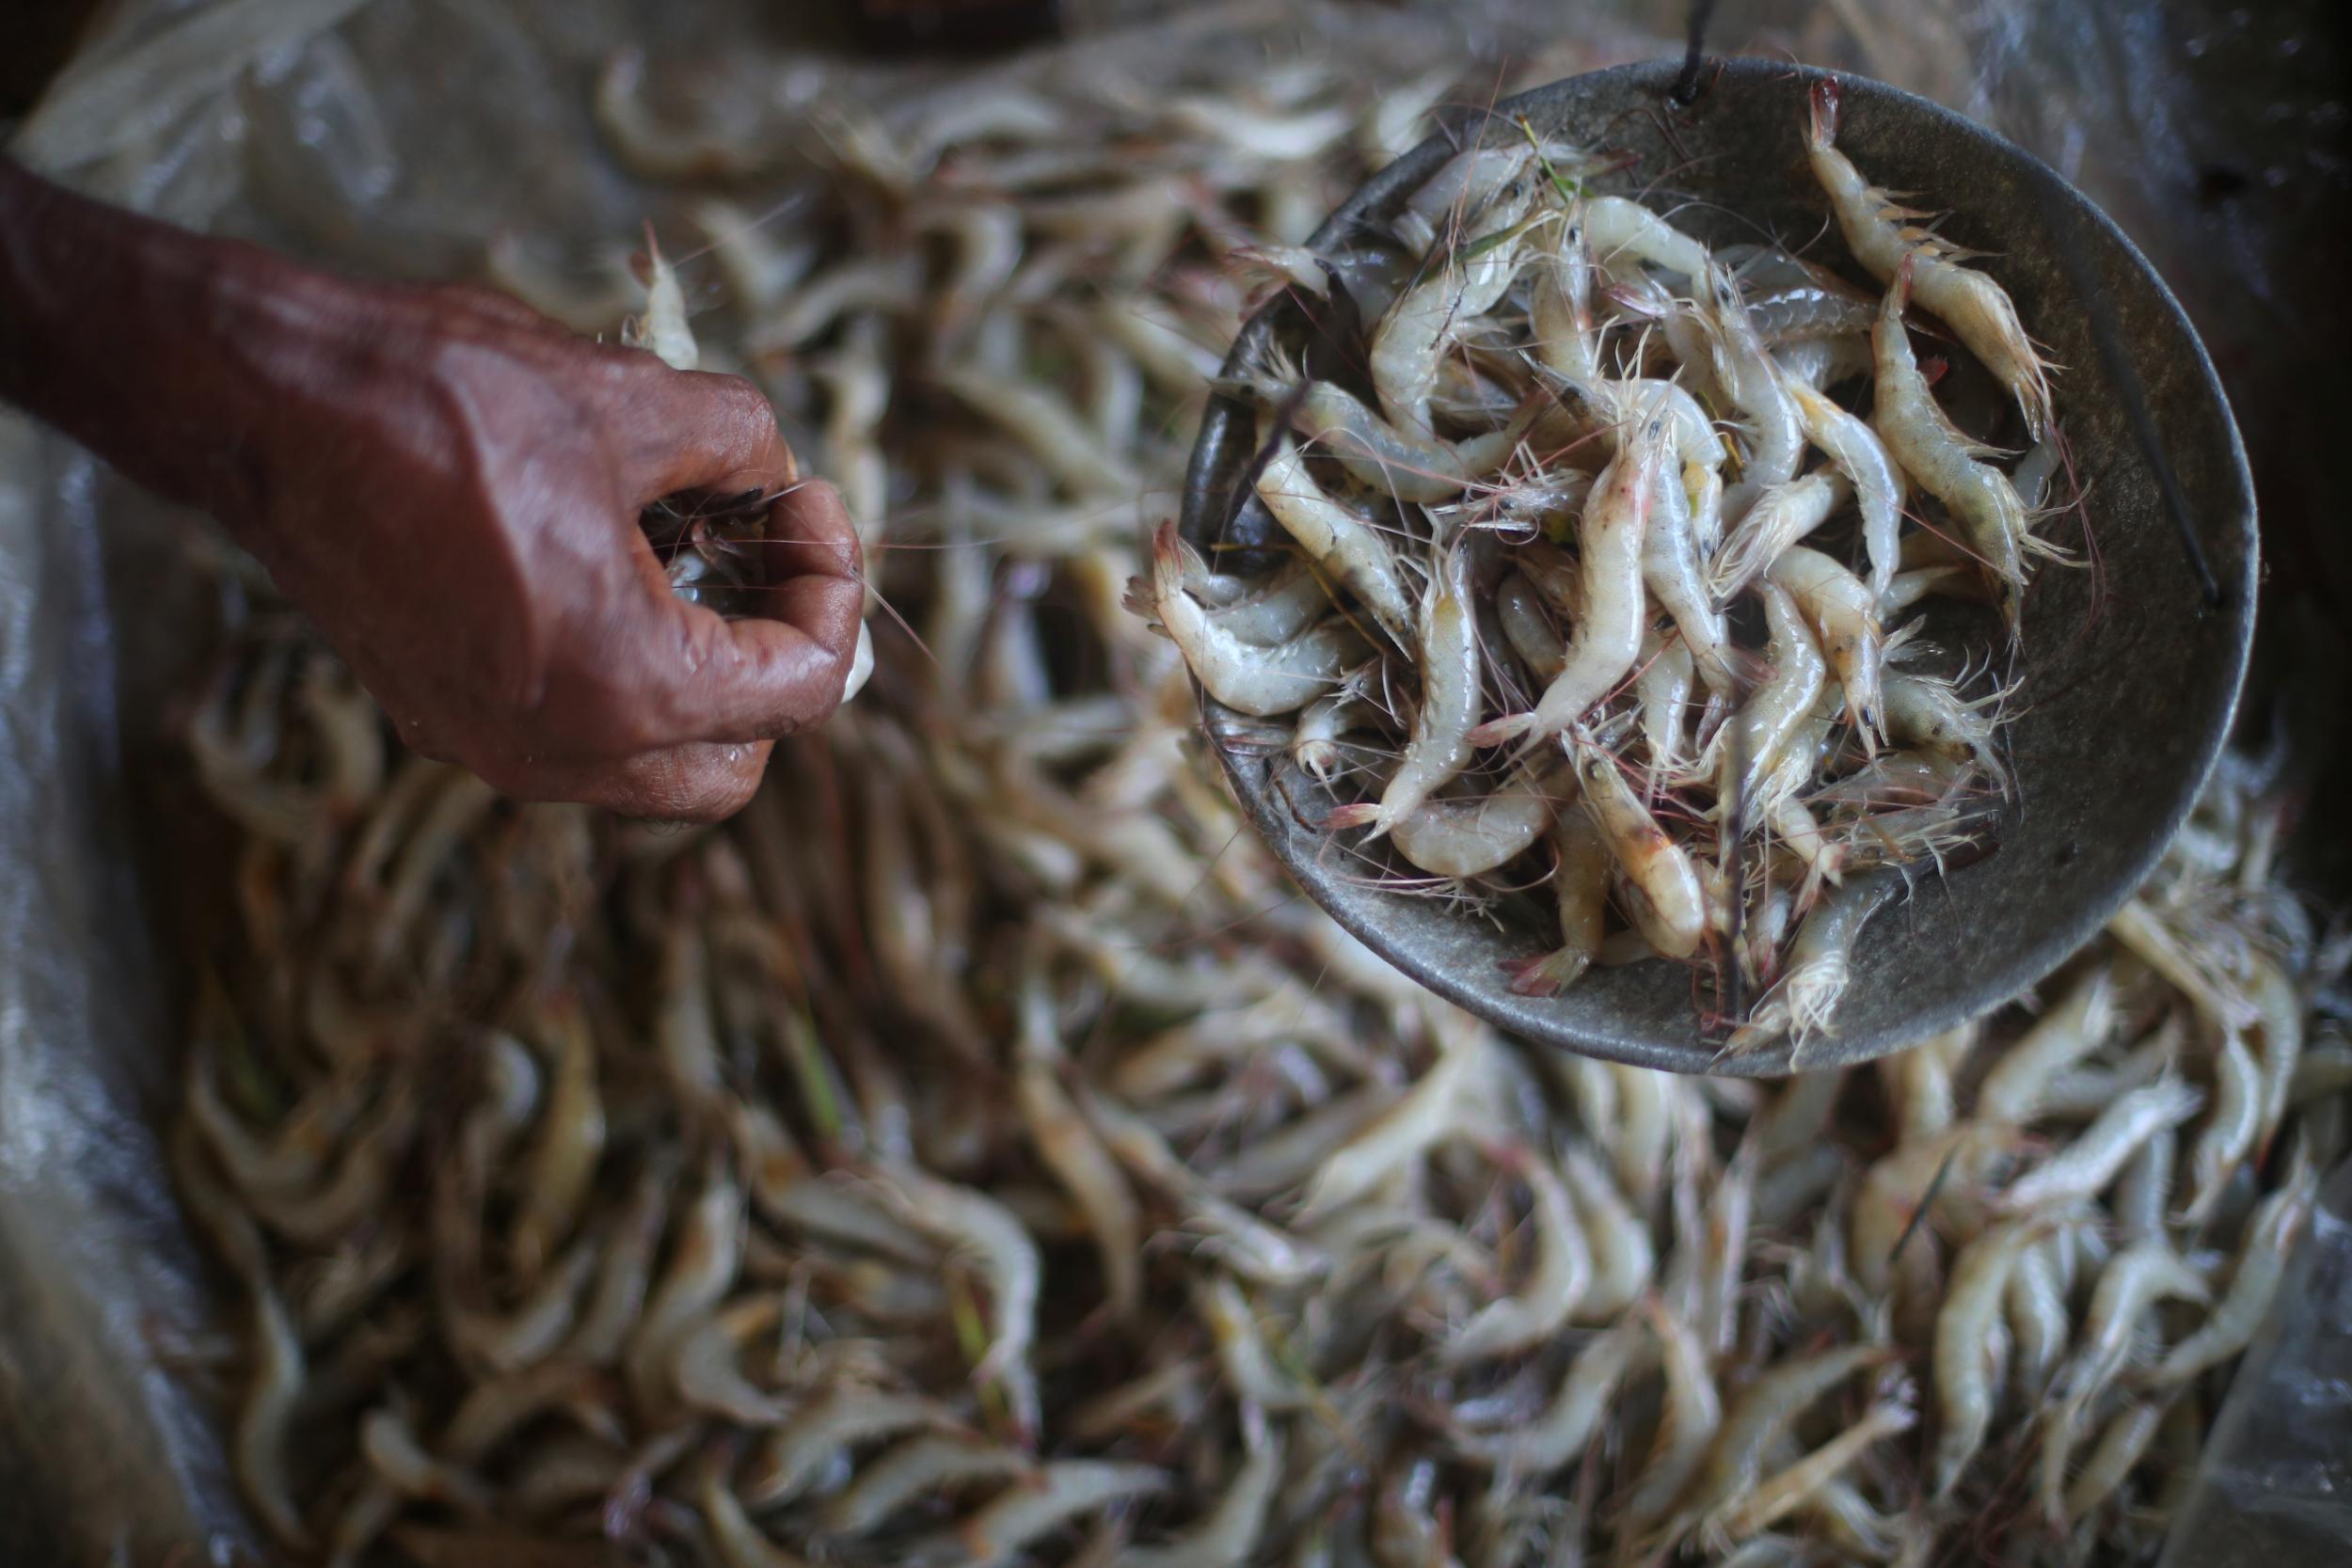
<point x="402" y="136"/>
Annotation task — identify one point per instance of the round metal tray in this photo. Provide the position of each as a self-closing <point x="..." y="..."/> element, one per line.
<point x="2131" y="667"/>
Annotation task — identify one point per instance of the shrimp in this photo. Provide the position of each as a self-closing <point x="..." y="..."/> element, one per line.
<point x="2279" y="1008"/>
<point x="1262" y="682"/>
<point x="1562" y="1268"/>
<point x="1264" y="616"/>
<point x="1615" y="227"/>
<point x="1878" y="483"/>
<point x="2277" y="1224"/>
<point x="1349" y="548"/>
<point x="1755" y="386"/>
<point x="1447" y="652"/>
<point x="1228" y="1534"/>
<point x="1929" y="714"/>
<point x="623" y="1272"/>
<point x="1792" y="1488"/>
<point x="662" y="331"/>
<point x="1977" y="309"/>
<point x="1415" y="1123"/>
<point x="1455" y="289"/>
<point x="2074" y="1029"/>
<point x="393" y="1453"/>
<point x="1895" y="1188"/>
<point x="1594" y="415"/>
<point x="1843" y="614"/>
<point x="2144" y="934"/>
<point x="2038" y="1320"/>
<point x="1410" y="465"/>
<point x="1687" y="1422"/>
<point x="1070" y="1149"/>
<point x="1670" y="569"/>
<point x="1946" y="463"/>
<point x="1662" y="884"/>
<point x="790" y="1457"/>
<point x="985" y="1233"/>
<point x="1607" y="631"/>
<point x="702" y="1267"/>
<point x="1472" y="836"/>
<point x="1965" y="1362"/>
<point x="1246" y="1245"/>
<point x="1579" y="883"/>
<point x="258" y="1446"/>
<point x="2134" y="1280"/>
<point x="925" y="1465"/>
<point x="2121" y="1445"/>
<point x="1624" y="1257"/>
<point x="1241" y="1349"/>
<point x="1822" y="363"/>
<point x="2228" y="1134"/>
<point x="1765" y="1410"/>
<point x="1528" y="629"/>
<point x="1054" y="435"/>
<point x="1919" y="1080"/>
<point x="740" y="1542"/>
<point x="1061" y="1491"/>
<point x="1779" y="516"/>
<point x="1801" y="1005"/>
<point x="562" y="1161"/>
<point x="2085" y="1167"/>
<point x="1564" y="1428"/>
<point x="1774" y="711"/>
<point x="1560" y="304"/>
<point x="1318" y="743"/>
<point x="1661" y="688"/>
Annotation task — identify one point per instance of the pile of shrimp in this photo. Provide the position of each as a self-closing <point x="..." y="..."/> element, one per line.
<point x="1551" y="496"/>
<point x="974" y="1154"/>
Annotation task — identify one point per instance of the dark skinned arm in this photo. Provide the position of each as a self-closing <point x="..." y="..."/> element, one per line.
<point x="448" y="483"/>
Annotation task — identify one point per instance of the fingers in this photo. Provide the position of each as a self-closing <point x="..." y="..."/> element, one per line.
<point x="782" y="671"/>
<point x="693" y="782"/>
<point x="692" y="430"/>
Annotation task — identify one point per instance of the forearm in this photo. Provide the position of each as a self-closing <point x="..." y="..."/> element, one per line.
<point x="140" y="340"/>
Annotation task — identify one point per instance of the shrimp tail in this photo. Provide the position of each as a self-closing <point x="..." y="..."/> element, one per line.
<point x="1821" y="125"/>
<point x="1547" y="974"/>
<point x="1509" y="726"/>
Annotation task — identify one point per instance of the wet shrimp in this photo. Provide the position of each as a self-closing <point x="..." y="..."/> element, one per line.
<point x="1976" y="308"/>
<point x="1607" y="628"/>
<point x="1451" y="664"/>
<point x="1262" y="682"/>
<point x="1579" y="884"/>
<point x="1841" y="609"/>
<point x="1944" y="463"/>
<point x="1878" y="483"/>
<point x="1779" y="517"/>
<point x="1662" y="884"/>
<point x="1472" y="836"/>
<point x="2278" y="1223"/>
<point x="1351" y="549"/>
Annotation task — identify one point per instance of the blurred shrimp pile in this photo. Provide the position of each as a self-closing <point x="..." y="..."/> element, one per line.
<point x="974" y="1154"/>
<point x="1525" y="375"/>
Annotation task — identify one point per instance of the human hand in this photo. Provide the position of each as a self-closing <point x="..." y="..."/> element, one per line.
<point x="449" y="483"/>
